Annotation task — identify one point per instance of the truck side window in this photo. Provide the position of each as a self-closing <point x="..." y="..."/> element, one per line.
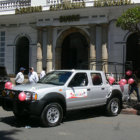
<point x="96" y="78"/>
<point x="80" y="79"/>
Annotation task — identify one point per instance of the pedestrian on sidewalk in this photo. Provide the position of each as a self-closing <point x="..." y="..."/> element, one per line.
<point x="42" y="74"/>
<point x="20" y="77"/>
<point x="32" y="76"/>
<point x="134" y="86"/>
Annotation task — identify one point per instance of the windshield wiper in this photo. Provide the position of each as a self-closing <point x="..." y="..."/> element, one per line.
<point x="53" y="83"/>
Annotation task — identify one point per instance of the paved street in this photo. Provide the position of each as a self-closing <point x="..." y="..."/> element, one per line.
<point x="79" y="125"/>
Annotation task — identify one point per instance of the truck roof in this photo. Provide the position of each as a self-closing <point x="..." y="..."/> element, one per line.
<point x="79" y="70"/>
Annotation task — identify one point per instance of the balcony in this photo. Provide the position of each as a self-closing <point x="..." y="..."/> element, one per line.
<point x="8" y="7"/>
<point x="14" y="4"/>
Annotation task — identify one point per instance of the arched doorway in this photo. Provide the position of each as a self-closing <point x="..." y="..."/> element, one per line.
<point x="74" y="52"/>
<point x="22" y="54"/>
<point x="133" y="52"/>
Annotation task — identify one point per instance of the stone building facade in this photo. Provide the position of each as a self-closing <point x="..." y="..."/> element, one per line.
<point x="40" y="40"/>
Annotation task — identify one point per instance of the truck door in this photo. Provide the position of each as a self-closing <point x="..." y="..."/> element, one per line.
<point x="98" y="89"/>
<point x="77" y="92"/>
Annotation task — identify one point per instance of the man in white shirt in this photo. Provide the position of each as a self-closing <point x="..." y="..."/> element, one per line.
<point x="42" y="74"/>
<point x="32" y="76"/>
<point x="20" y="76"/>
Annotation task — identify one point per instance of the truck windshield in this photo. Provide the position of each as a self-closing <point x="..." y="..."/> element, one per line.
<point x="55" y="78"/>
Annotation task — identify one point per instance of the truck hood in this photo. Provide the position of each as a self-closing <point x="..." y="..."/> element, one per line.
<point x="32" y="87"/>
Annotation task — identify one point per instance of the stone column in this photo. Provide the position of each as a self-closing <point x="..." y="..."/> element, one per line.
<point x="92" y="48"/>
<point x="39" y="52"/>
<point x="49" y="49"/>
<point x="104" y="48"/>
<point x="39" y="58"/>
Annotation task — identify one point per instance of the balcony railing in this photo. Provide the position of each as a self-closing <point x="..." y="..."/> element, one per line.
<point x="51" y="2"/>
<point x="14" y="4"/>
<point x="26" y="3"/>
<point x="8" y="7"/>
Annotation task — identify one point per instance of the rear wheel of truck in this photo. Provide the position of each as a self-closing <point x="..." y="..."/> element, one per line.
<point x="52" y="115"/>
<point x="113" y="107"/>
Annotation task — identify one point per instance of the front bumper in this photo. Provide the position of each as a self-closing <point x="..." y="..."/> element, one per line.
<point x="31" y="107"/>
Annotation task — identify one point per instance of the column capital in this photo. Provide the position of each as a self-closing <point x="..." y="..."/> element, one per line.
<point x="38" y="60"/>
<point x="48" y="60"/>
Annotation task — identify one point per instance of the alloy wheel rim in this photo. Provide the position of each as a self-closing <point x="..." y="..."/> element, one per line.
<point x="53" y="115"/>
<point x="114" y="107"/>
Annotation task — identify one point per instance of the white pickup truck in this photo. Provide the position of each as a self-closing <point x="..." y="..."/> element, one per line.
<point x="61" y="91"/>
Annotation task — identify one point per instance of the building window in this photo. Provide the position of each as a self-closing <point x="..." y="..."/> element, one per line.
<point x="2" y="48"/>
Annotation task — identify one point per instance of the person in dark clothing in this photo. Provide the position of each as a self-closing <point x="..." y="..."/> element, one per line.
<point x="134" y="86"/>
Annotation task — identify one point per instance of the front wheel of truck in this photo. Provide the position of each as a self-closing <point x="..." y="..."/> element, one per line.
<point x="52" y="115"/>
<point x="113" y="106"/>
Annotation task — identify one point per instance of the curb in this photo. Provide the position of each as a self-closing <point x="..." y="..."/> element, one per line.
<point x="130" y="111"/>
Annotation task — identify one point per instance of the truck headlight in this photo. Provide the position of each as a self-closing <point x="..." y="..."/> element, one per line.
<point x="28" y="96"/>
<point x="31" y="96"/>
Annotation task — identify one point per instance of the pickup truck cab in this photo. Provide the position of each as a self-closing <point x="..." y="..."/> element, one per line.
<point x="61" y="91"/>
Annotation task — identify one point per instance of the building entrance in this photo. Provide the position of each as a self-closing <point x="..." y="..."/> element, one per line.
<point x="74" y="54"/>
<point x="133" y="52"/>
<point x="22" y="54"/>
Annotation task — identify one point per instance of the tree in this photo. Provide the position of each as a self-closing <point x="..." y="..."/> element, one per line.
<point x="130" y="20"/>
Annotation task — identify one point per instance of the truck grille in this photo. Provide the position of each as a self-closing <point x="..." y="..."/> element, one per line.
<point x="11" y="94"/>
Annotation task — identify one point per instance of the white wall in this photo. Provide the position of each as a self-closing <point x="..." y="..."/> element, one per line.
<point x="38" y="2"/>
<point x="136" y="1"/>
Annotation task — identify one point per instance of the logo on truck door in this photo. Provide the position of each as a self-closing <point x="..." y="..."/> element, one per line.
<point x="78" y="93"/>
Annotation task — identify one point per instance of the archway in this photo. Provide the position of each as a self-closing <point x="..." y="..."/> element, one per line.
<point x="74" y="53"/>
<point x="72" y="45"/>
<point x="22" y="54"/>
<point x="133" y="52"/>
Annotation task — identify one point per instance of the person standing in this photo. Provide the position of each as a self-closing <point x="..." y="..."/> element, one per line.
<point x="134" y="86"/>
<point x="42" y="74"/>
<point x="20" y="76"/>
<point x="32" y="76"/>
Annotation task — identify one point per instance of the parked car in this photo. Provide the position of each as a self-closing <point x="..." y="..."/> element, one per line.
<point x="61" y="91"/>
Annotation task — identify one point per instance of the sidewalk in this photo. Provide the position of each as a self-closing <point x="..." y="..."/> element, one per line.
<point x="132" y="107"/>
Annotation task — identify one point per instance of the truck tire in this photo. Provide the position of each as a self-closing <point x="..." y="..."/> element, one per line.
<point x="113" y="106"/>
<point x="52" y="115"/>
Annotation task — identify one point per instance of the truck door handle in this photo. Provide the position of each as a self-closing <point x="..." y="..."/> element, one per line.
<point x="88" y="89"/>
<point x="102" y="88"/>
